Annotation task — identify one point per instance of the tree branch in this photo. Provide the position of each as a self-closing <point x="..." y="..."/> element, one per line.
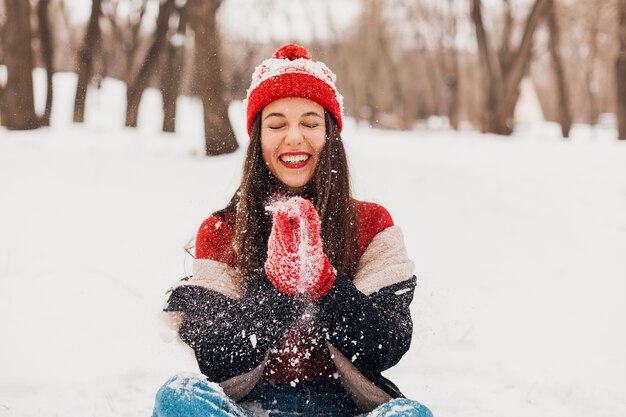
<point x="484" y="49"/>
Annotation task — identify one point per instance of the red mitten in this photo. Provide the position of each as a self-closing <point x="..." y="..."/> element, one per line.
<point x="296" y="262"/>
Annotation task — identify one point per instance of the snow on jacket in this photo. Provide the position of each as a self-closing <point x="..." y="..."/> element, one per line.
<point x="233" y="328"/>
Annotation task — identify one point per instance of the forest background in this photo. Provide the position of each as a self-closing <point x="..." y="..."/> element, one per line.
<point x="398" y="62"/>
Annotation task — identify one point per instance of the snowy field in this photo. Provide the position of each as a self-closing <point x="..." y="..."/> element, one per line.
<point x="519" y="245"/>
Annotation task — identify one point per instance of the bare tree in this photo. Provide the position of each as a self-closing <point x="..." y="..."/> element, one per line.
<point x="172" y="74"/>
<point x="621" y="72"/>
<point x="130" y="40"/>
<point x="448" y="60"/>
<point x="398" y="105"/>
<point x="2" y="31"/>
<point x="47" y="53"/>
<point x="588" y="42"/>
<point x="503" y="74"/>
<point x="565" y="114"/>
<point x="393" y="74"/>
<point x="372" y="27"/>
<point x="73" y="39"/>
<point x="85" y="60"/>
<point x="125" y="34"/>
<point x="219" y="135"/>
<point x="150" y="64"/>
<point x="17" y="102"/>
<point x="374" y="75"/>
<point x="590" y="66"/>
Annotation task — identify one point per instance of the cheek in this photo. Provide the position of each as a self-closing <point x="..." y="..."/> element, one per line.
<point x="318" y="144"/>
<point x="266" y="155"/>
<point x="267" y="149"/>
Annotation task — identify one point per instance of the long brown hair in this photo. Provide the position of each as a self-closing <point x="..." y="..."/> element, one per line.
<point x="329" y="190"/>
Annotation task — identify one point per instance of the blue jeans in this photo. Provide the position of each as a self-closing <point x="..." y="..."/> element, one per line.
<point x="191" y="395"/>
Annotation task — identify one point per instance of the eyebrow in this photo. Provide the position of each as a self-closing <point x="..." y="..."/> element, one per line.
<point x="275" y="114"/>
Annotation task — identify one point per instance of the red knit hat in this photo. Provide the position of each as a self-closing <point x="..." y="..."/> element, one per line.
<point x="290" y="72"/>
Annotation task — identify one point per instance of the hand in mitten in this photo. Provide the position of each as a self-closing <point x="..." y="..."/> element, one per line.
<point x="296" y="263"/>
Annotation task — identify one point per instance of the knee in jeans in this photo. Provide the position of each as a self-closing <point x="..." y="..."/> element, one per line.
<point x="189" y="395"/>
<point x="183" y="386"/>
<point x="406" y="407"/>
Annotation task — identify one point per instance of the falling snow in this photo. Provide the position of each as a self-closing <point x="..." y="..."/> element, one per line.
<point x="518" y="245"/>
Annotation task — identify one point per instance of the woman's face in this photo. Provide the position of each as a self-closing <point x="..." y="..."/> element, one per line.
<point x="293" y="134"/>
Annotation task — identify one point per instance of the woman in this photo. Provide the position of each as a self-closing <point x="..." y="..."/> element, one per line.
<point x="300" y="295"/>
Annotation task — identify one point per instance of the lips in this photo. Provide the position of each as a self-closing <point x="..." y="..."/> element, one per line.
<point x="294" y="160"/>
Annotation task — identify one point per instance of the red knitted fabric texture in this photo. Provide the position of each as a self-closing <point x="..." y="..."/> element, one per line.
<point x="291" y="51"/>
<point x="213" y="239"/>
<point x="296" y="262"/>
<point x="293" y="84"/>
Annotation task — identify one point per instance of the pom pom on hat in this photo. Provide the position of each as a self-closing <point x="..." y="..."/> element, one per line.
<point x="291" y="73"/>
<point x="291" y="51"/>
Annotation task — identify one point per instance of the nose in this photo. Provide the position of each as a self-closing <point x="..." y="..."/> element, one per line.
<point x="294" y="135"/>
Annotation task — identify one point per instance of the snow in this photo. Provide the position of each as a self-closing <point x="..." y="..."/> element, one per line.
<point x="177" y="40"/>
<point x="518" y="244"/>
<point x="307" y="263"/>
<point x="528" y="108"/>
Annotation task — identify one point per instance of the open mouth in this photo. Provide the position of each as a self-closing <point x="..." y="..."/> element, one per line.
<point x="294" y="159"/>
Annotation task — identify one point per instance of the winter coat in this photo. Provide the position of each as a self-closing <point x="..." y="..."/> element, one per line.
<point x="232" y="327"/>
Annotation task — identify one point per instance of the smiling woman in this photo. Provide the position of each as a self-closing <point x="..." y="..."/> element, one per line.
<point x="300" y="294"/>
<point x="293" y="134"/>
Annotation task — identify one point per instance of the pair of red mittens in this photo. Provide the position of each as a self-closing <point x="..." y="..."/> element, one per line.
<point x="296" y="262"/>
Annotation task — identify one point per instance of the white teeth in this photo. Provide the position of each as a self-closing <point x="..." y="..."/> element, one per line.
<point x="294" y="159"/>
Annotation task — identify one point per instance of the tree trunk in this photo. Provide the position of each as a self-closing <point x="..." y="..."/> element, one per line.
<point x="502" y="82"/>
<point x="491" y="70"/>
<point x="505" y="55"/>
<point x="399" y="104"/>
<point x="376" y="52"/>
<point x="621" y="73"/>
<point x="449" y="65"/>
<point x="565" y="115"/>
<point x="435" y="104"/>
<point x="85" y="60"/>
<point x="172" y="74"/>
<point x="452" y="82"/>
<point x="150" y="64"/>
<point x="47" y="54"/>
<point x="590" y="76"/>
<point x="17" y="105"/>
<point x="131" y="41"/>
<point x="218" y="133"/>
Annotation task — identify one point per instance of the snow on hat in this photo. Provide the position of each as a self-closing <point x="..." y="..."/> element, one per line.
<point x="290" y="72"/>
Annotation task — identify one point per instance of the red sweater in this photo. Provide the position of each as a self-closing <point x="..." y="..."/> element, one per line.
<point x="302" y="353"/>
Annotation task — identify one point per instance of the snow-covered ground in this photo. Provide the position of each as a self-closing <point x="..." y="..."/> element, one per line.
<point x="518" y="244"/>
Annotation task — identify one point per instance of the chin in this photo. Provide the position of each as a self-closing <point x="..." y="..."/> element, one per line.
<point x="294" y="186"/>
